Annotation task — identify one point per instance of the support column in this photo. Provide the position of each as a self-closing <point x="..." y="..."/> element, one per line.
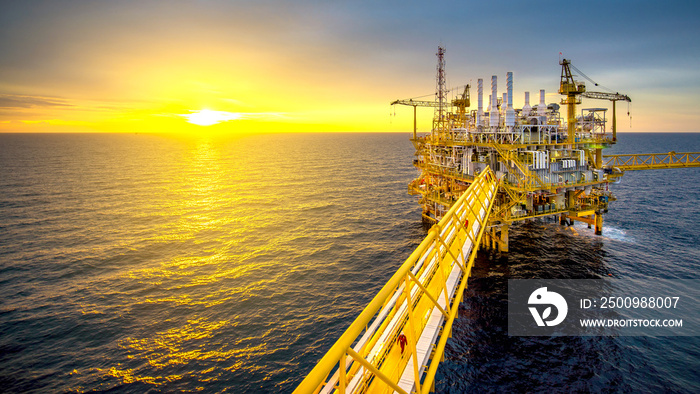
<point x="571" y="115"/>
<point x="598" y="224"/>
<point x="598" y="158"/>
<point x="570" y="199"/>
<point x="614" y="122"/>
<point x="415" y="127"/>
<point x="503" y="245"/>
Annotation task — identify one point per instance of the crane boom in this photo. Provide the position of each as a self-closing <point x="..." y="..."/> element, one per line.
<point x="614" y="97"/>
<point x="573" y="89"/>
<point x="416" y="103"/>
<point x="607" y="96"/>
<point x="462" y="102"/>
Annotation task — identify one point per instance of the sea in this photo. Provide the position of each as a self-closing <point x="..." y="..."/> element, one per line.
<point x="162" y="263"/>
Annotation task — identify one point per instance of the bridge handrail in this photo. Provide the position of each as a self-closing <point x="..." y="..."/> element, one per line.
<point x="643" y="161"/>
<point x="343" y="346"/>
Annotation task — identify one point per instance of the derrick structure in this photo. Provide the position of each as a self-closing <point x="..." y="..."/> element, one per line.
<point x="550" y="163"/>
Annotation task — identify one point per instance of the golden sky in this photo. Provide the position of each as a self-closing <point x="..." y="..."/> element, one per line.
<point x="251" y="66"/>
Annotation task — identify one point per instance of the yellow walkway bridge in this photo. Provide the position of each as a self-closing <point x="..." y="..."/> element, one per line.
<point x="398" y="341"/>
<point x="650" y="161"/>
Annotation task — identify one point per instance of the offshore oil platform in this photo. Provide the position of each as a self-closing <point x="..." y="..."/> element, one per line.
<point x="480" y="171"/>
<point x="549" y="165"/>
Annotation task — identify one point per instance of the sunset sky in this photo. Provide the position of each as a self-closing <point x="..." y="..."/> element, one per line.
<point x="249" y="66"/>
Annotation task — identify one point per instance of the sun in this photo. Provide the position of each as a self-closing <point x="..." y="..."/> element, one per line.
<point x="207" y="117"/>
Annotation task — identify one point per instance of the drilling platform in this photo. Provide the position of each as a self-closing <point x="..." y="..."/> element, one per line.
<point x="480" y="170"/>
<point x="549" y="165"/>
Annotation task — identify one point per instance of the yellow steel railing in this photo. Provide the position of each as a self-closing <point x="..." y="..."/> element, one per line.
<point x="650" y="161"/>
<point x="400" y="336"/>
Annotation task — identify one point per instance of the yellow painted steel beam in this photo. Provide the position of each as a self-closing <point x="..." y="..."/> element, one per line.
<point x="652" y="161"/>
<point x="408" y="301"/>
<point x="487" y="143"/>
<point x="581" y="218"/>
<point x="374" y="370"/>
<point x="536" y="215"/>
<point x="526" y="184"/>
<point x="427" y="293"/>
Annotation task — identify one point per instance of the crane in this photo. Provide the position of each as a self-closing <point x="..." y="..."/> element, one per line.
<point x="574" y="91"/>
<point x="462" y="102"/>
<point x="571" y="89"/>
<point x="614" y="97"/>
<point x="415" y="104"/>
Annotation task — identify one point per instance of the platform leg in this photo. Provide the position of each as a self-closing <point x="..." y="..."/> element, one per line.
<point x="503" y="244"/>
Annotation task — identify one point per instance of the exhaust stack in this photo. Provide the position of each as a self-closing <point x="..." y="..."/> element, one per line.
<point x="527" y="108"/>
<point x="510" y="112"/>
<point x="493" y="112"/>
<point x="542" y="107"/>
<point x="480" y="94"/>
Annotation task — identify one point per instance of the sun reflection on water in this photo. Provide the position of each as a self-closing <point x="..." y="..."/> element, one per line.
<point x="168" y="348"/>
<point x="195" y="214"/>
<point x="206" y="263"/>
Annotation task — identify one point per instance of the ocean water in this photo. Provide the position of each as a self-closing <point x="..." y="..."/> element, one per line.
<point x="150" y="263"/>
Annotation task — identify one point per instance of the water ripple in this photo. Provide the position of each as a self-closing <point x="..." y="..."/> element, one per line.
<point x="141" y="263"/>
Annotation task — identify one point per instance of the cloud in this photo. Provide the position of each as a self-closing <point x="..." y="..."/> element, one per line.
<point x="17" y="101"/>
